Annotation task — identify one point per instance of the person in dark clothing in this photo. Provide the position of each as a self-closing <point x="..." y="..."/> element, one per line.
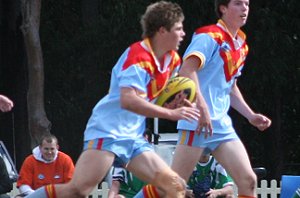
<point x="6" y="184"/>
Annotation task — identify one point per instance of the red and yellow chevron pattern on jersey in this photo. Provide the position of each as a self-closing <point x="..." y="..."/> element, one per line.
<point x="233" y="58"/>
<point x="139" y="56"/>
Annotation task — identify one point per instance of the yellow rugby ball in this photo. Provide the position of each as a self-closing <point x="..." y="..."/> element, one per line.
<point x="175" y="86"/>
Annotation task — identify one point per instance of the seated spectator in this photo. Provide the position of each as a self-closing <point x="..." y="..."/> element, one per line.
<point x="124" y="184"/>
<point x="297" y="193"/>
<point x="6" y="184"/>
<point x="46" y="165"/>
<point x="209" y="179"/>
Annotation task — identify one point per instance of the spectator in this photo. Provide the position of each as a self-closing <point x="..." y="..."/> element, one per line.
<point x="210" y="179"/>
<point x="6" y="184"/>
<point x="297" y="193"/>
<point x="46" y="165"/>
<point x="124" y="184"/>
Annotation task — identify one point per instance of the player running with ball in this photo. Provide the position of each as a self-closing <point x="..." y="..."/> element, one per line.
<point x="114" y="132"/>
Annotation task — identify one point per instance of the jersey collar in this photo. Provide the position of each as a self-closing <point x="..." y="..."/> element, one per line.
<point x="167" y="59"/>
<point x="240" y="36"/>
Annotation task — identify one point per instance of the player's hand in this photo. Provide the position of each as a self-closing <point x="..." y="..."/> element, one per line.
<point x="185" y="113"/>
<point x="204" y="123"/>
<point x="180" y="100"/>
<point x="189" y="193"/>
<point x="260" y="121"/>
<point x="212" y="193"/>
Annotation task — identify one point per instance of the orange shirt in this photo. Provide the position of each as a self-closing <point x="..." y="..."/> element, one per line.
<point x="37" y="173"/>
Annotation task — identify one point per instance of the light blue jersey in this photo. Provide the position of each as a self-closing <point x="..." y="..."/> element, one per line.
<point x="137" y="68"/>
<point x="222" y="61"/>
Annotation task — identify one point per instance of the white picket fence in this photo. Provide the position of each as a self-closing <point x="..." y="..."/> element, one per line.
<point x="101" y="192"/>
<point x="265" y="190"/>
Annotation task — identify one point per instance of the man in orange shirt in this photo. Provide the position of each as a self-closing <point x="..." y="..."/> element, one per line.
<point x="46" y="165"/>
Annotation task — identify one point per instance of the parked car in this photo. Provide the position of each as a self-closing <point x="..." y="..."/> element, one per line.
<point x="165" y="146"/>
<point x="10" y="166"/>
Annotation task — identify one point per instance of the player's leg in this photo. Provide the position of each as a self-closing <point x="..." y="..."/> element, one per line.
<point x="187" y="153"/>
<point x="90" y="169"/>
<point x="185" y="160"/>
<point x="234" y="158"/>
<point x="149" y="167"/>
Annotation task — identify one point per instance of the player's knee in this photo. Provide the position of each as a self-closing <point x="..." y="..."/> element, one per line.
<point x="79" y="191"/>
<point x="252" y="180"/>
<point x="248" y="181"/>
<point x="120" y="196"/>
<point x="230" y="196"/>
<point x="170" y="182"/>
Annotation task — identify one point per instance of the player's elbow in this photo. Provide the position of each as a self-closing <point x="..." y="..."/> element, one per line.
<point x="126" y="103"/>
<point x="127" y="98"/>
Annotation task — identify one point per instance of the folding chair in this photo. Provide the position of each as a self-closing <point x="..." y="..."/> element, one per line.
<point x="289" y="185"/>
<point x="10" y="166"/>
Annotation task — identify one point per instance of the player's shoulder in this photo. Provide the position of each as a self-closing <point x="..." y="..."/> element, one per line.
<point x="208" y="29"/>
<point x="139" y="49"/>
<point x="143" y="50"/>
<point x="137" y="55"/>
<point x="211" y="31"/>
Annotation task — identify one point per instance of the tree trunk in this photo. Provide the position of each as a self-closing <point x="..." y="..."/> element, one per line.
<point x="37" y="119"/>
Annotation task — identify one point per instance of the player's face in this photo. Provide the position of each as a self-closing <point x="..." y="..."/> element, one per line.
<point x="48" y="150"/>
<point x="175" y="36"/>
<point x="236" y="13"/>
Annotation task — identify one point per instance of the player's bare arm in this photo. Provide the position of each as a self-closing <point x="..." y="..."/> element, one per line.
<point x="189" y="69"/>
<point x="226" y="191"/>
<point x="132" y="101"/>
<point x="238" y="103"/>
<point x="114" y="189"/>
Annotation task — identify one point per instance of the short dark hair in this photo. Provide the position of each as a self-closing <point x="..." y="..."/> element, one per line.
<point x="49" y="138"/>
<point x="160" y="14"/>
<point x="218" y="3"/>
